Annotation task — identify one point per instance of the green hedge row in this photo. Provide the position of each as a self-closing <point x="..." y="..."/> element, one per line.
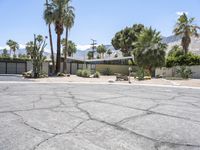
<point x="13" y="59"/>
<point x="183" y="60"/>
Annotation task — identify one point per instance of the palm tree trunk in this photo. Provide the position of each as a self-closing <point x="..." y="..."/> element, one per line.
<point x="65" y="53"/>
<point x="58" y="53"/>
<point x="51" y="45"/>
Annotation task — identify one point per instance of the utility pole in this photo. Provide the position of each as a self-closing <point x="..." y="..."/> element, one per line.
<point x="94" y="43"/>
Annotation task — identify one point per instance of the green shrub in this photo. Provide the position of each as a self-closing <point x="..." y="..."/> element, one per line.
<point x="184" y="72"/>
<point x="97" y="75"/>
<point x="107" y="72"/>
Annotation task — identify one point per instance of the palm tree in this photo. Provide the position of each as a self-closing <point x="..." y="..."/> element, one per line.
<point x="185" y="28"/>
<point x="13" y="46"/>
<point x="68" y="23"/>
<point x="149" y="50"/>
<point x="5" y="53"/>
<point x="109" y="52"/>
<point x="29" y="49"/>
<point x="71" y="47"/>
<point x="48" y="17"/>
<point x="90" y="55"/>
<point x="101" y="49"/>
<point x="58" y="8"/>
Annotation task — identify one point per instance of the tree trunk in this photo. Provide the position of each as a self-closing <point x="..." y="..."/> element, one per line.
<point x="58" y="59"/>
<point x="51" y="45"/>
<point x="150" y="70"/>
<point x="65" y="53"/>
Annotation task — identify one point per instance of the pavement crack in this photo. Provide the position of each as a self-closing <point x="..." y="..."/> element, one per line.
<point x="118" y="127"/>
<point x="43" y="141"/>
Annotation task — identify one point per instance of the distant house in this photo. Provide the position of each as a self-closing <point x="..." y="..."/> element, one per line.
<point x="116" y="65"/>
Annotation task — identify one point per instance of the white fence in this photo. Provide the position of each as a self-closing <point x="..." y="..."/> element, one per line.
<point x="171" y="72"/>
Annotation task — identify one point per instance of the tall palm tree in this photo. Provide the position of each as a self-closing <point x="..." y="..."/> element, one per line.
<point x="68" y="23"/>
<point x="185" y="28"/>
<point x="58" y="9"/>
<point x="13" y="46"/>
<point x="48" y="17"/>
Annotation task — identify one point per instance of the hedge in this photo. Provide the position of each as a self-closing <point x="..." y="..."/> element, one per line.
<point x="183" y="60"/>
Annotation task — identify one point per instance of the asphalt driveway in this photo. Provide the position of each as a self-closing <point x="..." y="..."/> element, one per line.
<point x="37" y="116"/>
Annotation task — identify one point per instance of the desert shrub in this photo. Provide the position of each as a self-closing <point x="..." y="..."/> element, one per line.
<point x="83" y="73"/>
<point x="86" y="73"/>
<point x="43" y="75"/>
<point x="184" y="72"/>
<point x="107" y="72"/>
<point x="147" y="77"/>
<point x="60" y="74"/>
<point x="79" y="73"/>
<point x="96" y="75"/>
<point x="140" y="74"/>
<point x="27" y="74"/>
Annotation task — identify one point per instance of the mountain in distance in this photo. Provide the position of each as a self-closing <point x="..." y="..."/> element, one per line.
<point x="170" y="41"/>
<point x="176" y="40"/>
<point x="82" y="54"/>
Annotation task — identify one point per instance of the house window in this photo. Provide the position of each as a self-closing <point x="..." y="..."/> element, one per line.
<point x="93" y="67"/>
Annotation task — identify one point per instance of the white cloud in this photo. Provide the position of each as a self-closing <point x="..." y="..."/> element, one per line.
<point x="3" y="47"/>
<point x="83" y="47"/>
<point x="21" y="46"/>
<point x="179" y="13"/>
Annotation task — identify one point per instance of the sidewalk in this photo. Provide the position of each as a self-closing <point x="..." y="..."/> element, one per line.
<point x="101" y="80"/>
<point x="106" y="79"/>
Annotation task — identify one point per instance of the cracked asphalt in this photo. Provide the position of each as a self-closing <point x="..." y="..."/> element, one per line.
<point x="37" y="116"/>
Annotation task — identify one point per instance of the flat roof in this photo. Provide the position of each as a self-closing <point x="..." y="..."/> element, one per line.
<point x="100" y="60"/>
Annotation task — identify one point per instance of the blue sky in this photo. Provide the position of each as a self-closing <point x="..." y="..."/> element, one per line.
<point x="97" y="19"/>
